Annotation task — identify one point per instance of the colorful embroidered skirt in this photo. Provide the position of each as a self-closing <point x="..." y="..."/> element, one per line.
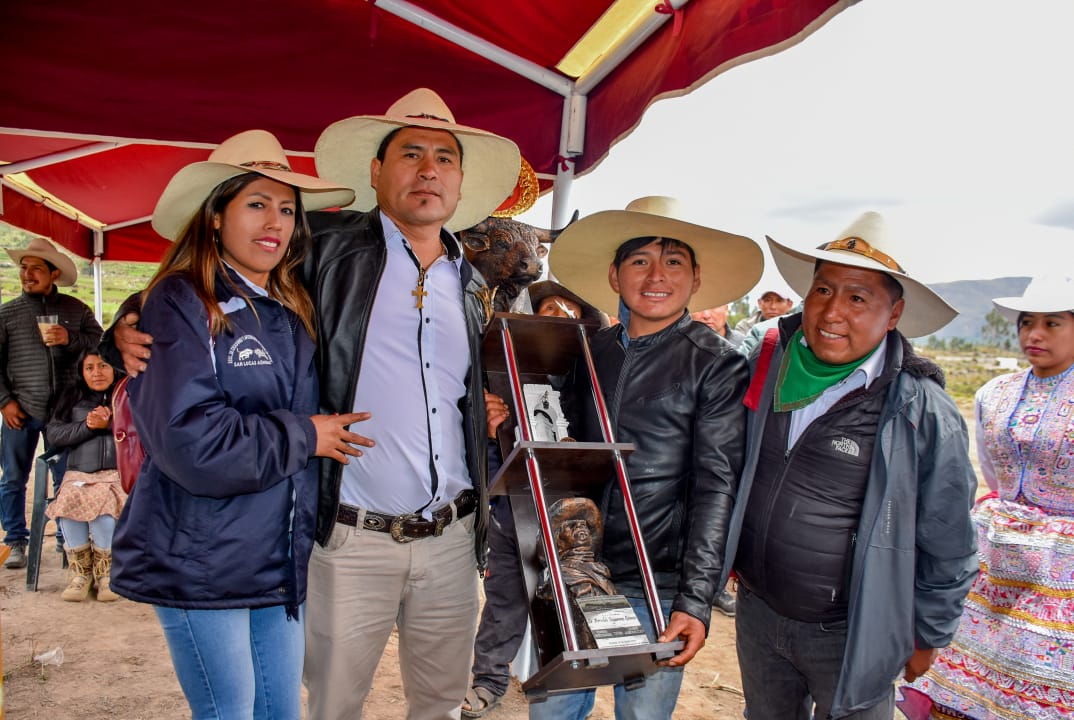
<point x="1013" y="656"/>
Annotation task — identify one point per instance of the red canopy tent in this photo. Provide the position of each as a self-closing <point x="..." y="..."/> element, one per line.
<point x="101" y="106"/>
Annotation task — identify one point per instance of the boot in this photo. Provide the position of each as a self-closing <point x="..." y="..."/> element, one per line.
<point x="102" y="572"/>
<point x="79" y="572"/>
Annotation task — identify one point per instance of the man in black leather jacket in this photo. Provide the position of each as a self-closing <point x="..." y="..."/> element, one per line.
<point x="674" y="389"/>
<point x="401" y="529"/>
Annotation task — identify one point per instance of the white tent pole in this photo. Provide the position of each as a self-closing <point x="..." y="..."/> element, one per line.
<point x="127" y="223"/>
<point x="98" y="290"/>
<point x="452" y="33"/>
<point x="571" y="144"/>
<point x="63" y="156"/>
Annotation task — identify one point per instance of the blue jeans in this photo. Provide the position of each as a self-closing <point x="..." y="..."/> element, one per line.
<point x="784" y="661"/>
<point x="17" y="448"/>
<point x="655" y="700"/>
<point x="237" y="663"/>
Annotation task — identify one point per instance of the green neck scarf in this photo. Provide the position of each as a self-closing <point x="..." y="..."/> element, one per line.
<point x="803" y="377"/>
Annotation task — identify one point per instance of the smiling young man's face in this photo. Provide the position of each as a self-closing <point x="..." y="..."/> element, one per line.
<point x="656" y="282"/>
<point x="847" y="312"/>
<point x="36" y="276"/>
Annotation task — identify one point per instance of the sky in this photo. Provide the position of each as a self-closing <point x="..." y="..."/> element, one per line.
<point x="947" y="116"/>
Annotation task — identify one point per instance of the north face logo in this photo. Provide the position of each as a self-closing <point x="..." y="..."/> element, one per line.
<point x="846" y="446"/>
<point x="248" y="351"/>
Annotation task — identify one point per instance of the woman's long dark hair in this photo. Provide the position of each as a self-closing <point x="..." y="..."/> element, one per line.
<point x="80" y="390"/>
<point x="195" y="254"/>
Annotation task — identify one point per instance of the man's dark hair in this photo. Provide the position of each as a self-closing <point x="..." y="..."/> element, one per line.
<point x="893" y="286"/>
<point x="382" y="151"/>
<point x="633" y="244"/>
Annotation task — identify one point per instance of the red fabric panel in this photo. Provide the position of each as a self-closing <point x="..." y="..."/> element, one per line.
<point x="21" y="211"/>
<point x="188" y="73"/>
<point x="712" y="34"/>
<point x="541" y="32"/>
<point x="137" y="243"/>
<point x="201" y="71"/>
<point x="117" y="185"/>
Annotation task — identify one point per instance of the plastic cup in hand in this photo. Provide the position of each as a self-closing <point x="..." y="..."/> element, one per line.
<point x="44" y="322"/>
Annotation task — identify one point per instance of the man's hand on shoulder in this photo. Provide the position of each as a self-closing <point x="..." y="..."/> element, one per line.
<point x="683" y="626"/>
<point x="132" y="344"/>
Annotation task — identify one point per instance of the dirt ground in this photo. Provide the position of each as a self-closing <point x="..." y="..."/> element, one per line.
<point x="116" y="665"/>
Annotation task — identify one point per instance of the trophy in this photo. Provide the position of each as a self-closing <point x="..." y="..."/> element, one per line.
<point x="584" y="633"/>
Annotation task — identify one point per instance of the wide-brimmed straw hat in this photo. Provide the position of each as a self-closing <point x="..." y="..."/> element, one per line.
<point x="256" y="151"/>
<point x="39" y="247"/>
<point x="1044" y="294"/>
<point x="866" y="244"/>
<point x="730" y="264"/>
<point x="777" y="286"/>
<point x="490" y="163"/>
<point x="538" y="291"/>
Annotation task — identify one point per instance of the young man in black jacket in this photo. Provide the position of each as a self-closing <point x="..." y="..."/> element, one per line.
<point x="674" y="389"/>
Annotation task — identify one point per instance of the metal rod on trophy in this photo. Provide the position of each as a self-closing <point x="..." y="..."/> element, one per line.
<point x="652" y="596"/>
<point x="559" y="588"/>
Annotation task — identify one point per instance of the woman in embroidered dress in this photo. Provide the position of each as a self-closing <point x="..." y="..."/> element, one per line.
<point x="91" y="497"/>
<point x="1013" y="656"/>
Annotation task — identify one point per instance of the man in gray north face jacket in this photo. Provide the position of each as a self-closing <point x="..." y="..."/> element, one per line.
<point x="851" y="535"/>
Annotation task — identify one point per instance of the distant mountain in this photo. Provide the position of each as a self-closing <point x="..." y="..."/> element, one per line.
<point x="973" y="299"/>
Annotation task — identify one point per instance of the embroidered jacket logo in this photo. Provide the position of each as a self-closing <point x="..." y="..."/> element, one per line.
<point x="846" y="446"/>
<point x="248" y="351"/>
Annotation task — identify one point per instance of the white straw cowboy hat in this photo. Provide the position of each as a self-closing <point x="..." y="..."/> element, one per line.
<point x="866" y="244"/>
<point x="1044" y="294"/>
<point x="39" y="247"/>
<point x="256" y="151"/>
<point x="490" y="163"/>
<point x="730" y="264"/>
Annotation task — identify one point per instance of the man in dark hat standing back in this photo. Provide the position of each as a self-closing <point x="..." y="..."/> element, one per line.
<point x="42" y="333"/>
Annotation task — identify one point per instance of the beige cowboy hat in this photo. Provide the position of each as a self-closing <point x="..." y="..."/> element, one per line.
<point x="538" y="291"/>
<point x="866" y="244"/>
<point x="256" y="151"/>
<point x="39" y="247"/>
<point x="775" y="286"/>
<point x="730" y="264"/>
<point x="1044" y="294"/>
<point x="490" y="163"/>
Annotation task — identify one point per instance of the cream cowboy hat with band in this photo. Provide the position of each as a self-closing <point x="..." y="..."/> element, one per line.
<point x="1044" y="294"/>
<point x="866" y="244"/>
<point x="490" y="163"/>
<point x="256" y="151"/>
<point x="730" y="264"/>
<point x="39" y="247"/>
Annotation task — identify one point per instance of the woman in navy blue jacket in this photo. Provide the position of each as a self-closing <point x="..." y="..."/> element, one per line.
<point x="218" y="529"/>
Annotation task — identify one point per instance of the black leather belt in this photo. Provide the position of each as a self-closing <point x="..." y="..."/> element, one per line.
<point x="409" y="527"/>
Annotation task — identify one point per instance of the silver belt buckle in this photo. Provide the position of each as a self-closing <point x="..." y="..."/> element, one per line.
<point x="397" y="528"/>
